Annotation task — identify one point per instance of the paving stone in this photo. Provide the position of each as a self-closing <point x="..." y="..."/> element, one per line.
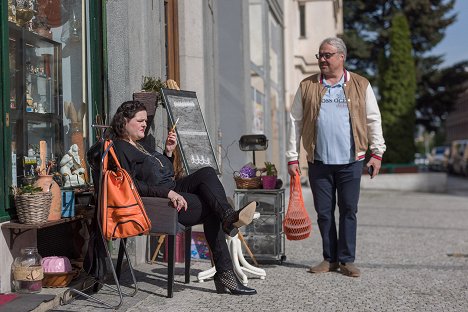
<point x="404" y="239"/>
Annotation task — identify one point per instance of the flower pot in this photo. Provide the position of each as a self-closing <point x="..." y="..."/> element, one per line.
<point x="149" y="99"/>
<point x="269" y="182"/>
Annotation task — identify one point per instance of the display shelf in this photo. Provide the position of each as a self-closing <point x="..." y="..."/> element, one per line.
<point x="16" y="228"/>
<point x="36" y="112"/>
<point x="264" y="236"/>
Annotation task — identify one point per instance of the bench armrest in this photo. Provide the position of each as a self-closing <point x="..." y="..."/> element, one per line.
<point x="162" y="215"/>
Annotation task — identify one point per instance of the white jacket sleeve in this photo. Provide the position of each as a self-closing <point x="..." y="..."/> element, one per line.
<point x="374" y="124"/>
<point x="295" y="128"/>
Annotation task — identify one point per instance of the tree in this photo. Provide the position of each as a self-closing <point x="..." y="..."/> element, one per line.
<point x="367" y="24"/>
<point x="439" y="89"/>
<point x="367" y="27"/>
<point x="397" y="90"/>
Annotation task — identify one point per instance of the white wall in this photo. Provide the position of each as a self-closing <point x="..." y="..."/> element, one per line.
<point x="135" y="44"/>
<point x="324" y="18"/>
<point x="197" y="57"/>
<point x="7" y="255"/>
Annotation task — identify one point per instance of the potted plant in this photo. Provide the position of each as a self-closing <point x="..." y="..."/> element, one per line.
<point x="150" y="93"/>
<point x="269" y="180"/>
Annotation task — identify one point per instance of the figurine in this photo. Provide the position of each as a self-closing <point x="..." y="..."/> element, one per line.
<point x="40" y="108"/>
<point x="70" y="168"/>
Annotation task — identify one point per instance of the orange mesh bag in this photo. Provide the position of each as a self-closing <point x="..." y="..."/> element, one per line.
<point x="296" y="224"/>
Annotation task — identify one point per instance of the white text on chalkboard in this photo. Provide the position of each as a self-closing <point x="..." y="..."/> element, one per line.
<point x="200" y="160"/>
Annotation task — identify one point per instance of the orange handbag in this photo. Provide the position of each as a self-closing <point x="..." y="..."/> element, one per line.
<point x="296" y="224"/>
<point x="122" y="211"/>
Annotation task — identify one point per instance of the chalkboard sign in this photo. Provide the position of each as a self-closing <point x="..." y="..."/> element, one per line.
<point x="194" y="141"/>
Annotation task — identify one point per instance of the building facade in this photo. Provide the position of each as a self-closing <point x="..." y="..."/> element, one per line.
<point x="68" y="64"/>
<point x="307" y="24"/>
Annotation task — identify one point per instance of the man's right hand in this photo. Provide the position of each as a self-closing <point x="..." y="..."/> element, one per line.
<point x="293" y="169"/>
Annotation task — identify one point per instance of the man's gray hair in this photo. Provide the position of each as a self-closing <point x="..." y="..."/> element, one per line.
<point x="337" y="43"/>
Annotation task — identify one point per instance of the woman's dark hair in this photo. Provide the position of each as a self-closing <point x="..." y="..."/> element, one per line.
<point x="125" y="111"/>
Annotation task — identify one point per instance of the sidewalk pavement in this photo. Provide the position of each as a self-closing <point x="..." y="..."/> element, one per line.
<point x="412" y="250"/>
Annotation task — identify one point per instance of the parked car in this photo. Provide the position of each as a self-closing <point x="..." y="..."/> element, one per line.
<point x="458" y="159"/>
<point x="438" y="158"/>
<point x="420" y="160"/>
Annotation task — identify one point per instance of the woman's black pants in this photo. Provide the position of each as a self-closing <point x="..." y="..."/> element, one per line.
<point x="207" y="205"/>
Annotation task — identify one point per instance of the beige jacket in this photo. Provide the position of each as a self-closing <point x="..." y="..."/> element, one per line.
<point x="363" y="110"/>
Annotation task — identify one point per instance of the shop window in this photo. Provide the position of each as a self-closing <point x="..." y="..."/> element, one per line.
<point x="302" y="20"/>
<point x="172" y="39"/>
<point x="48" y="90"/>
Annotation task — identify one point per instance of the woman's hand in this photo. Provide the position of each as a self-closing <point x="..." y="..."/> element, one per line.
<point x="171" y="143"/>
<point x="177" y="200"/>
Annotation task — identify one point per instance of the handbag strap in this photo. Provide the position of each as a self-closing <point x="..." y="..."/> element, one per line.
<point x="109" y="149"/>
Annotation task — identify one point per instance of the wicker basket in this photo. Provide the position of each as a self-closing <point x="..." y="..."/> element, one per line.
<point x="247" y="183"/>
<point x="33" y="208"/>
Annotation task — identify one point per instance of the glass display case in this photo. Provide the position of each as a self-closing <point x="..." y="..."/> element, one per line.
<point x="264" y="236"/>
<point x="35" y="98"/>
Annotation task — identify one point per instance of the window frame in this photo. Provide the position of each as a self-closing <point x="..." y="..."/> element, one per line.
<point x="302" y="20"/>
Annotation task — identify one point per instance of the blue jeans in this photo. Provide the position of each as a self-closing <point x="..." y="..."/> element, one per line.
<point x="329" y="182"/>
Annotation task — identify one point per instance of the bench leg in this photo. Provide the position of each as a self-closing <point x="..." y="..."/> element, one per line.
<point x="170" y="265"/>
<point x="188" y="253"/>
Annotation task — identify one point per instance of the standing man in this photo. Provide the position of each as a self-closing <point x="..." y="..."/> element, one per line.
<point x="337" y="116"/>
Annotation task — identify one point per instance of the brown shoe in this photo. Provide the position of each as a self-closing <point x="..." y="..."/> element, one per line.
<point x="324" y="267"/>
<point x="350" y="269"/>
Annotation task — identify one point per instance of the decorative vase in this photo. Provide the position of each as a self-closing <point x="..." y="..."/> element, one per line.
<point x="47" y="183"/>
<point x="269" y="182"/>
<point x="27" y="271"/>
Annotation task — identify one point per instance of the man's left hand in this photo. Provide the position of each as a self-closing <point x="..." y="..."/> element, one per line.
<point x="376" y="164"/>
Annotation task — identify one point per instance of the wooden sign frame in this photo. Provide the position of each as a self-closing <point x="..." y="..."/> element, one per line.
<point x="193" y="138"/>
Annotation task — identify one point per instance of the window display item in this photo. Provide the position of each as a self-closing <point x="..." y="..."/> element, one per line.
<point x="32" y="206"/>
<point x="29" y="102"/>
<point x="58" y="272"/>
<point x="68" y="204"/>
<point x="48" y="185"/>
<point x="27" y="271"/>
<point x="11" y="11"/>
<point x="40" y="108"/>
<point x="55" y="12"/>
<point x="56" y="264"/>
<point x="24" y="12"/>
<point x="70" y="168"/>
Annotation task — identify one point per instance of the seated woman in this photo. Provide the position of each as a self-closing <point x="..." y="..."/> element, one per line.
<point x="199" y="197"/>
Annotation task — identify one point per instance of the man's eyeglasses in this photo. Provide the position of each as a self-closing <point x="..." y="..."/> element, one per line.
<point x="325" y="55"/>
